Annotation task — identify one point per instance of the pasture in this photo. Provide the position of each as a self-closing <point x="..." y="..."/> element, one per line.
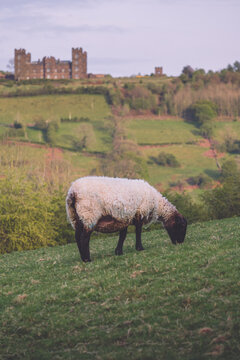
<point x="52" y="107"/>
<point x="157" y="132"/>
<point x="167" y="302"/>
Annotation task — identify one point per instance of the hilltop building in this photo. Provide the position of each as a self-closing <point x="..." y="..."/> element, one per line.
<point x="49" y="67"/>
<point x="158" y="71"/>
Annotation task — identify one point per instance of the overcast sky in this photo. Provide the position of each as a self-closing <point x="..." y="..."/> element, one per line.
<point x="124" y="37"/>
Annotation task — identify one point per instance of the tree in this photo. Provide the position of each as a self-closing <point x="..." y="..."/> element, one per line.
<point x="201" y="112"/>
<point x="188" y="70"/>
<point x="236" y="66"/>
<point x="166" y="159"/>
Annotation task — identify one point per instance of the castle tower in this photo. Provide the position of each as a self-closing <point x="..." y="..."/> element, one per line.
<point x="79" y="63"/>
<point x="158" y="71"/>
<point x="21" y="64"/>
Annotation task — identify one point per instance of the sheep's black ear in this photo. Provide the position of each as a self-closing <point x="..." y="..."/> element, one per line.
<point x="176" y="227"/>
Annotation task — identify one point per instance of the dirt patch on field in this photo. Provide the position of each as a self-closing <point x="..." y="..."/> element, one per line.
<point x="213" y="154"/>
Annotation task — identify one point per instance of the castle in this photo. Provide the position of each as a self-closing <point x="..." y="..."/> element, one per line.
<point x="49" y="67"/>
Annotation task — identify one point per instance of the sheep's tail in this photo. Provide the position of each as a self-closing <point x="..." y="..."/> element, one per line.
<point x="71" y="209"/>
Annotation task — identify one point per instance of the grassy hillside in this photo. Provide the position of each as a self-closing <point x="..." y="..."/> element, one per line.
<point x="167" y="302"/>
<point x="153" y="132"/>
<point x="52" y="107"/>
<point x="140" y="132"/>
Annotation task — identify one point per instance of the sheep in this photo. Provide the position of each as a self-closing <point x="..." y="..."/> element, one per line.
<point x="109" y="205"/>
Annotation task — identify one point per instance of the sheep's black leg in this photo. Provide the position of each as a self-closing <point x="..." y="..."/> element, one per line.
<point x="138" y="227"/>
<point x="122" y="237"/>
<point x="78" y="234"/>
<point x="85" y="252"/>
<point x="82" y="239"/>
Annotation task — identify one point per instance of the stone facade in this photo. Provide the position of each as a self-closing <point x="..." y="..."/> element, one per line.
<point x="49" y="67"/>
<point x="79" y="63"/>
<point x="158" y="71"/>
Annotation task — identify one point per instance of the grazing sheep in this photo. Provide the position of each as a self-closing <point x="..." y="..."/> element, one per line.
<point x="112" y="204"/>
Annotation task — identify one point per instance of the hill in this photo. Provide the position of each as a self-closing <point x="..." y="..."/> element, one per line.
<point x="126" y="121"/>
<point x="167" y="302"/>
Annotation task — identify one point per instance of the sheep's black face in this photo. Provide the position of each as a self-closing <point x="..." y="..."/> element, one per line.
<point x="176" y="227"/>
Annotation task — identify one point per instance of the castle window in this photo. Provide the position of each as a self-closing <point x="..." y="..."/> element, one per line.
<point x="48" y="76"/>
<point x="76" y="56"/>
<point x="76" y="68"/>
<point x="48" y="70"/>
<point x="63" y="70"/>
<point x="76" y="62"/>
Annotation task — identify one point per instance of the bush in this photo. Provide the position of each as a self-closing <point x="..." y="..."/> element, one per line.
<point x="17" y="125"/>
<point x="40" y="124"/>
<point x="224" y="201"/>
<point x="30" y="216"/>
<point x="192" y="211"/>
<point x="229" y="170"/>
<point x="166" y="159"/>
<point x="201" y="112"/>
<point x="86" y="137"/>
<point x="51" y="130"/>
<point x="232" y="146"/>
<point x="141" y="98"/>
<point x="13" y="132"/>
<point x="201" y="180"/>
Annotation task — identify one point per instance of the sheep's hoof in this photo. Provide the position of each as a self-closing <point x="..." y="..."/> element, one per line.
<point x="118" y="252"/>
<point x="86" y="260"/>
<point x="139" y="248"/>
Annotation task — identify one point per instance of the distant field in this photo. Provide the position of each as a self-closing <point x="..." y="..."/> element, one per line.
<point x="52" y="107"/>
<point x="192" y="159"/>
<point x="223" y="129"/>
<point x="167" y="302"/>
<point x="68" y="132"/>
<point x="150" y="131"/>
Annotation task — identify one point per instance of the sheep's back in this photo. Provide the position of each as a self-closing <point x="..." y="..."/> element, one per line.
<point x="119" y="198"/>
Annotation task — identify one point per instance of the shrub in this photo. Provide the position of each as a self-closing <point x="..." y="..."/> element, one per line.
<point x="86" y="137"/>
<point x="166" y="159"/>
<point x="17" y="125"/>
<point x="201" y="180"/>
<point x="31" y="216"/>
<point x="201" y="112"/>
<point x="13" y="132"/>
<point x="229" y="170"/>
<point x="224" y="201"/>
<point x="194" y="212"/>
<point x="232" y="146"/>
<point x="40" y="124"/>
<point x="141" y="98"/>
<point x="51" y="130"/>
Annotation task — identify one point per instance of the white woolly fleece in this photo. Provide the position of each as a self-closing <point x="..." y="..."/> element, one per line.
<point x="119" y="198"/>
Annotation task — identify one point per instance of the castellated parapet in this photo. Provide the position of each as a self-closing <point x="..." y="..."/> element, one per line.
<point x="49" y="67"/>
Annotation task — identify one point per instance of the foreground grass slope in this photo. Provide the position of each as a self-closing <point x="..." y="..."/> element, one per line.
<point x="168" y="302"/>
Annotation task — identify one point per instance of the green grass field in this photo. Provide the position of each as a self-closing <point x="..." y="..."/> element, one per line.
<point x="149" y="131"/>
<point x="192" y="159"/>
<point x="52" y="107"/>
<point x="167" y="302"/>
